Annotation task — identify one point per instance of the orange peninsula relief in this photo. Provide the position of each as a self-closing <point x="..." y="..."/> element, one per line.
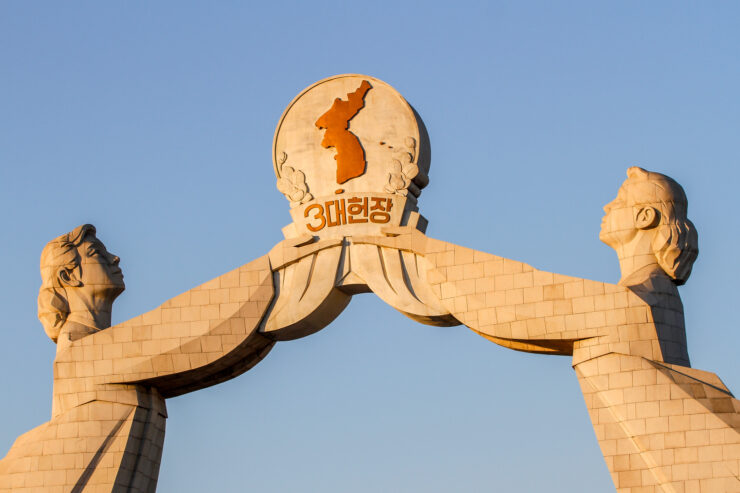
<point x="350" y="155"/>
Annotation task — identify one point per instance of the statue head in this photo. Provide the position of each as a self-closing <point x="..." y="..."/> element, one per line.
<point x="77" y="271"/>
<point x="647" y="224"/>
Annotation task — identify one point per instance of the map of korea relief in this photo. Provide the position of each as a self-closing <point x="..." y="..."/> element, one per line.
<point x="350" y="156"/>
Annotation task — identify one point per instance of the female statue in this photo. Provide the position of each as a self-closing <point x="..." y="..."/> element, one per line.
<point x="110" y="383"/>
<point x="662" y="425"/>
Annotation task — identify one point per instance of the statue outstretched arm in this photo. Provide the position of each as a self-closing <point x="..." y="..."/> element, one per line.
<point x="197" y="339"/>
<point x="513" y="304"/>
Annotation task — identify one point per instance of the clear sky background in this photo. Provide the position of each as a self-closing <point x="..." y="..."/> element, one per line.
<point x="154" y="121"/>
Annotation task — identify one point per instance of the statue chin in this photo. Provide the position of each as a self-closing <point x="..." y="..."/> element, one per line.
<point x="608" y="239"/>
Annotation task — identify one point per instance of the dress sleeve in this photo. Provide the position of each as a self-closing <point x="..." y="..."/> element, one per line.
<point x="197" y="339"/>
<point x="512" y="303"/>
<point x="523" y="308"/>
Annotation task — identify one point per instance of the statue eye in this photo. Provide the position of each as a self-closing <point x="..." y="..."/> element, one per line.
<point x="93" y="252"/>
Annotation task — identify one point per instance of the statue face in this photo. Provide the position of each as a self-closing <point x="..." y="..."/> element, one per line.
<point x="618" y="224"/>
<point x="99" y="268"/>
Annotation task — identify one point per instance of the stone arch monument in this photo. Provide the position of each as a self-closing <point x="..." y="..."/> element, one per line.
<point x="352" y="157"/>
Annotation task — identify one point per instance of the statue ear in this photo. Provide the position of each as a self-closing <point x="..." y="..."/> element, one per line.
<point x="68" y="277"/>
<point x="647" y="217"/>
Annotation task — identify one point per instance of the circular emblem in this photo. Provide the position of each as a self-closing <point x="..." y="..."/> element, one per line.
<point x="347" y="144"/>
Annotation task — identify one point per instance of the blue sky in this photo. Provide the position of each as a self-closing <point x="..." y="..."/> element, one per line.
<point x="154" y="121"/>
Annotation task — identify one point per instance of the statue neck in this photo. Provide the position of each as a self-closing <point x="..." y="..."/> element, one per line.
<point x="91" y="308"/>
<point x="94" y="321"/>
<point x="636" y="270"/>
<point x="637" y="261"/>
<point x="88" y="314"/>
